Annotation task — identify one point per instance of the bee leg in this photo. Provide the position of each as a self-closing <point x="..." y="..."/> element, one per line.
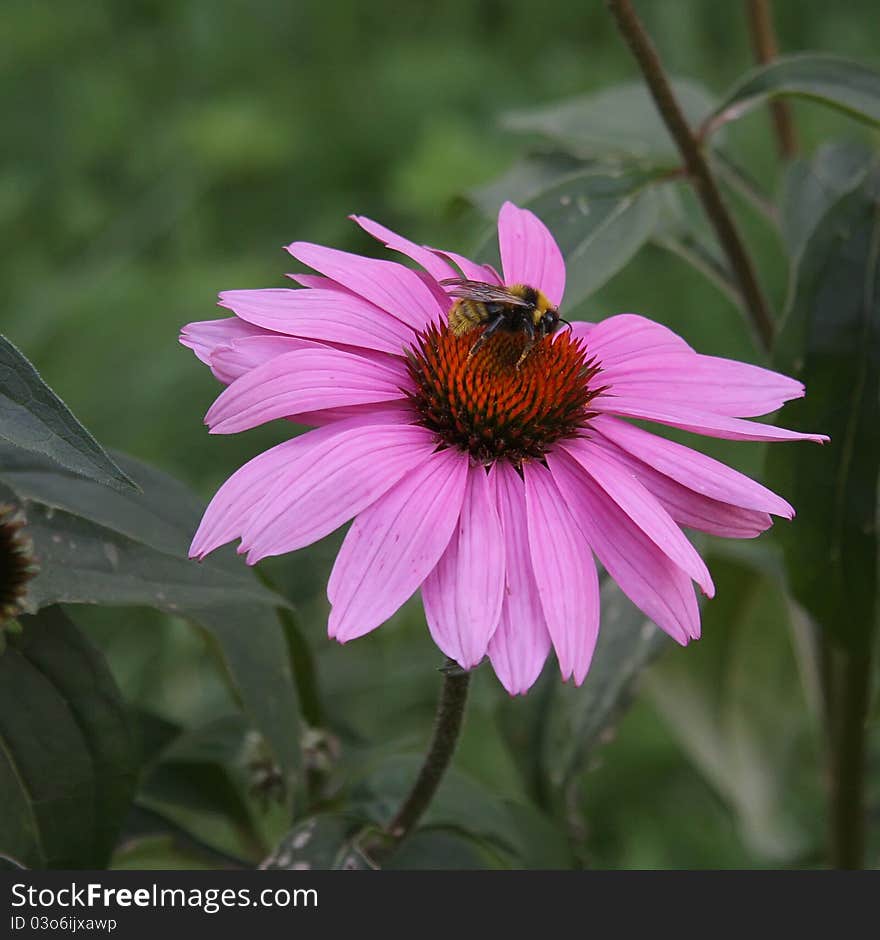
<point x="493" y="327"/>
<point x="530" y="343"/>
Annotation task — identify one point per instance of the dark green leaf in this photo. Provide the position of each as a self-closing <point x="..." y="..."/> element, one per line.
<point x="812" y="186"/>
<point x="199" y="782"/>
<point x="620" y="122"/>
<point x="102" y="547"/>
<point x="848" y="86"/>
<point x="831" y="340"/>
<point x="191" y="771"/>
<point x="32" y="416"/>
<point x="67" y="766"/>
<point x="442" y="849"/>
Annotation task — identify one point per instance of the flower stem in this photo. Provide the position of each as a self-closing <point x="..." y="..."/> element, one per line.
<point x="766" y="50"/>
<point x="697" y="166"/>
<point x="846" y="677"/>
<point x="447" y="726"/>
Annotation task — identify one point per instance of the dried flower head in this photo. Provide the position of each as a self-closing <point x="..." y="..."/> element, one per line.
<point x="17" y="562"/>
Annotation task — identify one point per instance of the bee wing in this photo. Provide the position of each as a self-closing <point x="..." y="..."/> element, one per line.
<point x="482" y="292"/>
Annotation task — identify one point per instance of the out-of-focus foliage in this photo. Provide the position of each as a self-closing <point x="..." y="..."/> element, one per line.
<point x="831" y="340"/>
<point x="161" y="150"/>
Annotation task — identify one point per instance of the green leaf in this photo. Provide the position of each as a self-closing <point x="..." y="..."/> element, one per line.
<point x="831" y="340"/>
<point x="198" y="782"/>
<point x="812" y="186"/>
<point x="98" y="546"/>
<point x="32" y="416"/>
<point x="599" y="217"/>
<point x="67" y="767"/>
<point x="739" y="710"/>
<point x="620" y="122"/>
<point x="579" y="719"/>
<point x="840" y="83"/>
<point x="191" y="772"/>
<point x="442" y="849"/>
<point x="524" y="180"/>
<point x="687" y="236"/>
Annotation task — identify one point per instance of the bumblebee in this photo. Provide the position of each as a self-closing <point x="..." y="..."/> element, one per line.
<point x="515" y="309"/>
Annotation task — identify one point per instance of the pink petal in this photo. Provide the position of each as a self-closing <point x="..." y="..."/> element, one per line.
<point x="529" y="253"/>
<point x="386" y="284"/>
<point x="656" y="585"/>
<point x="627" y="336"/>
<point x="324" y="416"/>
<point x="426" y="257"/>
<point x="236" y="502"/>
<point x="685" y="506"/>
<point x="204" y="336"/>
<point x="692" y="469"/>
<point x="319" y="282"/>
<point x="699" y="422"/>
<point x="338" y="478"/>
<point x="564" y="572"/>
<point x="463" y="594"/>
<point x="470" y="269"/>
<point x="242" y="355"/>
<point x="395" y="544"/>
<point x="722" y="386"/>
<point x="580" y="329"/>
<point x="521" y="642"/>
<point x="302" y="381"/>
<point x="328" y="315"/>
<point x="444" y="301"/>
<point x="640" y="506"/>
<point x="238" y="497"/>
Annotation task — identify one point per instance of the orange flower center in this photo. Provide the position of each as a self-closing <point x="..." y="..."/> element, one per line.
<point x="492" y="405"/>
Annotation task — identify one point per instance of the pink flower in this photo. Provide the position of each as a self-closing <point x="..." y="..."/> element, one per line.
<point x="489" y="483"/>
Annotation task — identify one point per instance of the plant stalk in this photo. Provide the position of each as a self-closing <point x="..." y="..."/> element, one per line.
<point x="846" y="677"/>
<point x="698" y="170"/>
<point x="765" y="47"/>
<point x="447" y="727"/>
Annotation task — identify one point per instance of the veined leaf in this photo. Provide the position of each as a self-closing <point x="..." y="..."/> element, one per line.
<point x="96" y="546"/>
<point x="67" y="768"/>
<point x="619" y="122"/>
<point x="831" y="340"/>
<point x="812" y="186"/>
<point x="840" y="83"/>
<point x="33" y="417"/>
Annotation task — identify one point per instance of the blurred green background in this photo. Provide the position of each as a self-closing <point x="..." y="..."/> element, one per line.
<point x="158" y="151"/>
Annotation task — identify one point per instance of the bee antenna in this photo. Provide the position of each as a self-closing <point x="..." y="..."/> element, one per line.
<point x="563" y="320"/>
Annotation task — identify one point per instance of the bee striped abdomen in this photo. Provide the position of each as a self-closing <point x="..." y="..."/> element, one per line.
<point x="467" y="315"/>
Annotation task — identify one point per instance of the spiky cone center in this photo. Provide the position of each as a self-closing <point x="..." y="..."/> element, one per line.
<point x="495" y="405"/>
<point x="17" y="562"/>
